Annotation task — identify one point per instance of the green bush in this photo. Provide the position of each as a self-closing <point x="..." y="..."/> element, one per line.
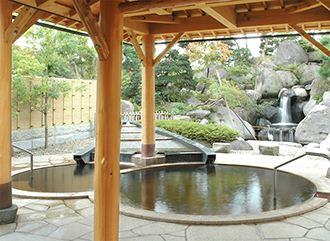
<point x="180" y="109"/>
<point x="195" y="131"/>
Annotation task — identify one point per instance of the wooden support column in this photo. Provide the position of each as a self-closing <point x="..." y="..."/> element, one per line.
<point x="148" y="98"/>
<point x="5" y="107"/>
<point x="108" y="124"/>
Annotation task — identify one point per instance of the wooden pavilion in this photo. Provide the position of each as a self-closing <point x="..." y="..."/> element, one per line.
<point x="108" y="23"/>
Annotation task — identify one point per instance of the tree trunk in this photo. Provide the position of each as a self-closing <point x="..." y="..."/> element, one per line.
<point x="46" y="123"/>
<point x="265" y="48"/>
<point x="74" y="66"/>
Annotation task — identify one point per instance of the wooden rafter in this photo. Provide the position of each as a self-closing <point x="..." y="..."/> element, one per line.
<point x="93" y="29"/>
<point x="157" y="19"/>
<point x="325" y="3"/>
<point x="225" y="15"/>
<point x="18" y="24"/>
<point x="310" y="39"/>
<point x="137" y="47"/>
<point x="141" y="6"/>
<point x="168" y="48"/>
<point x="303" y="6"/>
<point x="34" y="18"/>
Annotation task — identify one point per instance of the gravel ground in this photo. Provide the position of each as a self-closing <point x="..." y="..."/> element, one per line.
<point x="65" y="148"/>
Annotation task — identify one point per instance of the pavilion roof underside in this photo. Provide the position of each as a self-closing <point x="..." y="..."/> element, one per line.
<point x="196" y="19"/>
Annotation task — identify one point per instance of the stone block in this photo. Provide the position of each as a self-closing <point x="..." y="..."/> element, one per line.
<point x="270" y="149"/>
<point x="221" y="147"/>
<point x="64" y="138"/>
<point x="141" y="161"/>
<point x="64" y="130"/>
<point x="40" y="142"/>
<point x="83" y="135"/>
<point x="8" y="215"/>
<point x="23" y="144"/>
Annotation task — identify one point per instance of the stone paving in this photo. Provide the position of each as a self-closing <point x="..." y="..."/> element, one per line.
<point x="50" y="220"/>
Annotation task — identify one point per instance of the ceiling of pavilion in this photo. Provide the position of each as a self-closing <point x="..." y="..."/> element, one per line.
<point x="193" y="19"/>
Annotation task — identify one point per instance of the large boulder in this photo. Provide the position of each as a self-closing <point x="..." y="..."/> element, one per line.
<point x="222" y="73"/>
<point x="199" y="114"/>
<point x="309" y="74"/>
<point x="247" y="114"/>
<point x="254" y="95"/>
<point x="240" y="145"/>
<point x="326" y="99"/>
<point x="273" y="114"/>
<point x="325" y="144"/>
<point x="317" y="87"/>
<point x="313" y="56"/>
<point x="126" y="106"/>
<point x="309" y="106"/>
<point x="182" y="117"/>
<point x="192" y="100"/>
<point x="242" y="78"/>
<point x="268" y="83"/>
<point x="315" y="126"/>
<point x="297" y="111"/>
<point x="223" y="117"/>
<point x="289" y="52"/>
<point x="263" y="63"/>
<point x="288" y="78"/>
<point x="300" y="93"/>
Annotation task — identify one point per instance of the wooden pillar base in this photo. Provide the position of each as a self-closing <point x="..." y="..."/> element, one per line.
<point x="141" y="161"/>
<point x="148" y="150"/>
<point x="5" y="195"/>
<point x="8" y="215"/>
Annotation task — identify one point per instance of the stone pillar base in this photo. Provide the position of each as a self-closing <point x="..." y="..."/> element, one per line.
<point x="141" y="161"/>
<point x="8" y="215"/>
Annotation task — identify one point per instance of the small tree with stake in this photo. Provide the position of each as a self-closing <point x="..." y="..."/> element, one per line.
<point x="36" y="91"/>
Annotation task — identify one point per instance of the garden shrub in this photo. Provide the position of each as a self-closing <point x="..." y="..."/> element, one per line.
<point x="195" y="131"/>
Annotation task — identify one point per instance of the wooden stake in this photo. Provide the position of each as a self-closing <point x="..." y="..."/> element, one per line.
<point x="5" y="107"/>
<point x="148" y="98"/>
<point x="108" y="124"/>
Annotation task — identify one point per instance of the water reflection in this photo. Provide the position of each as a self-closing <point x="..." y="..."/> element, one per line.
<point x="212" y="190"/>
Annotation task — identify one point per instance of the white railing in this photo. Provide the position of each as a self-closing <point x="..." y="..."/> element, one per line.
<point x="136" y="116"/>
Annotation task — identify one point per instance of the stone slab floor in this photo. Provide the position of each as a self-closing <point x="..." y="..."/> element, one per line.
<point x="50" y="220"/>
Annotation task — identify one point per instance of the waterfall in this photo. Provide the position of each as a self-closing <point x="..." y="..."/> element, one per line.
<point x="285" y="107"/>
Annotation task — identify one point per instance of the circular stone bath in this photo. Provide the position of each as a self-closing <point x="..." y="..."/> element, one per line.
<point x="174" y="186"/>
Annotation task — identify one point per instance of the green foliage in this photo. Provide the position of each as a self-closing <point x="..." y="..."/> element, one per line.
<point x="180" y="109"/>
<point x="195" y="131"/>
<point x="295" y="69"/>
<point x="241" y="56"/>
<point x="325" y="67"/>
<point x="172" y="72"/>
<point x="238" y="70"/>
<point x="64" y="55"/>
<point x="207" y="54"/>
<point x="235" y="97"/>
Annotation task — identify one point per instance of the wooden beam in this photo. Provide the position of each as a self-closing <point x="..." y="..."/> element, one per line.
<point x="37" y="15"/>
<point x="140" y="6"/>
<point x="303" y="6"/>
<point x="325" y="3"/>
<point x="168" y="48"/>
<point x="162" y="11"/>
<point x="225" y="15"/>
<point x="85" y="13"/>
<point x="157" y="19"/>
<point x="18" y="24"/>
<point x="138" y="27"/>
<point x="137" y="47"/>
<point x="275" y="17"/>
<point x="310" y="39"/>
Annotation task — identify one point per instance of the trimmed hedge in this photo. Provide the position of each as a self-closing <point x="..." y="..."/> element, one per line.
<point x="195" y="131"/>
